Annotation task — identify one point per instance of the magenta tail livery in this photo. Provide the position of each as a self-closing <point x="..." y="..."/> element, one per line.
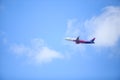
<point x="78" y="41"/>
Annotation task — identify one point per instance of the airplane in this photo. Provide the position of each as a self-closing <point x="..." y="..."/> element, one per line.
<point x="78" y="41"/>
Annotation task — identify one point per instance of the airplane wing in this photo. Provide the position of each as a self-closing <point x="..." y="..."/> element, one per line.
<point x="69" y="39"/>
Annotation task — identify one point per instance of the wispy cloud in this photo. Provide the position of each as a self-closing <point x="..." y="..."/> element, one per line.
<point x="3" y="38"/>
<point x="72" y="27"/>
<point x="37" y="51"/>
<point x="105" y="27"/>
<point x="19" y="49"/>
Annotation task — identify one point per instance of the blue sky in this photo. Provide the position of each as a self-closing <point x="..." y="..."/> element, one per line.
<point x="32" y="34"/>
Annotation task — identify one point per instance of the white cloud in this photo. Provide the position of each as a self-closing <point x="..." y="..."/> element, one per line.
<point x="37" y="51"/>
<point x="47" y="55"/>
<point x="105" y="27"/>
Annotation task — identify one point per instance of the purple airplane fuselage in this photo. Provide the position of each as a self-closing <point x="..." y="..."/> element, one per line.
<point x="78" y="41"/>
<point x="83" y="41"/>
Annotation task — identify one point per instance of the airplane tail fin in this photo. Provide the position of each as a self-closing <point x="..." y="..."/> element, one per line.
<point x="77" y="38"/>
<point x="92" y="40"/>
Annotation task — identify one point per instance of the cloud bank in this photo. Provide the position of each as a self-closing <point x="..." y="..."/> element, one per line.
<point x="37" y="51"/>
<point x="105" y="27"/>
